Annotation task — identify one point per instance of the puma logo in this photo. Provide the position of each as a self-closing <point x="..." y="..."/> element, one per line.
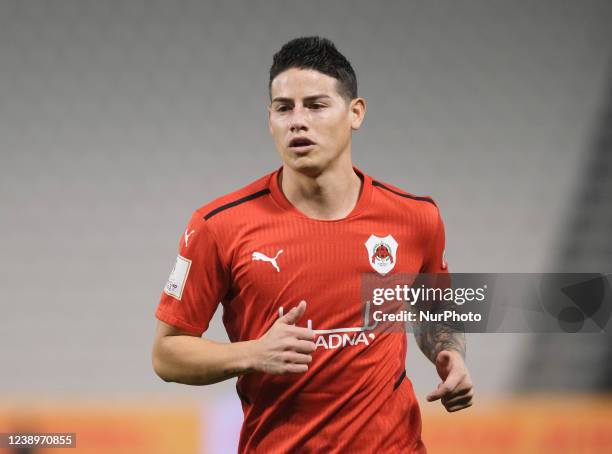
<point x="187" y="235"/>
<point x="265" y="258"/>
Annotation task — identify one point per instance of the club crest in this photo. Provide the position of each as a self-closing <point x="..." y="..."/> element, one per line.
<point x="382" y="253"/>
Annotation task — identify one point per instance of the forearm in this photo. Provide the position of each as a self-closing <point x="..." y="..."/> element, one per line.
<point x="196" y="361"/>
<point x="432" y="338"/>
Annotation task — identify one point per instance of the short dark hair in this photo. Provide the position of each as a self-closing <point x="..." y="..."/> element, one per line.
<point x="320" y="54"/>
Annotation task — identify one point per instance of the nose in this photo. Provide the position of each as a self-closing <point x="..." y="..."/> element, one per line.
<point x="297" y="122"/>
<point x="297" y="127"/>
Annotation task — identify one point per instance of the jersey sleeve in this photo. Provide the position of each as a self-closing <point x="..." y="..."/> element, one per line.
<point x="435" y="260"/>
<point x="197" y="283"/>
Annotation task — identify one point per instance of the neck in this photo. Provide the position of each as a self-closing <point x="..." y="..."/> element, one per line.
<point x="329" y="195"/>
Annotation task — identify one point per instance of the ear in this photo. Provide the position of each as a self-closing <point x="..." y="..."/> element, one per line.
<point x="269" y="119"/>
<point x="357" y="112"/>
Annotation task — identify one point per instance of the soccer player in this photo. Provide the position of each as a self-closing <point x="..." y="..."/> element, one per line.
<point x="284" y="256"/>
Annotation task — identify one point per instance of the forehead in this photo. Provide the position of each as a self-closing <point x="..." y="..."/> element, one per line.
<point x="301" y="83"/>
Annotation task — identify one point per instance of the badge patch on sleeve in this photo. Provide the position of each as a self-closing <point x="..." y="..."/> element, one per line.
<point x="176" y="282"/>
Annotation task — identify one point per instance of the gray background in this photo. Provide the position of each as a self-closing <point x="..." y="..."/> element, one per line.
<point x="117" y="119"/>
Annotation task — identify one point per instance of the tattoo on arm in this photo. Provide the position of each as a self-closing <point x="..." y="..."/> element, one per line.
<point x="433" y="337"/>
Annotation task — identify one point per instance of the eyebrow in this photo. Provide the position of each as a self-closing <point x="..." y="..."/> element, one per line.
<point x="306" y="99"/>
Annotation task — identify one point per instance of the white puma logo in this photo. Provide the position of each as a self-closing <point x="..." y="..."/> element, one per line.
<point x="187" y="235"/>
<point x="265" y="258"/>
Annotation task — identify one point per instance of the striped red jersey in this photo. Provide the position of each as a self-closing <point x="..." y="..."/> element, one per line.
<point x="256" y="254"/>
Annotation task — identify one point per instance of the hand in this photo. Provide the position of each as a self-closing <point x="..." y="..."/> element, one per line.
<point x="285" y="348"/>
<point x="456" y="390"/>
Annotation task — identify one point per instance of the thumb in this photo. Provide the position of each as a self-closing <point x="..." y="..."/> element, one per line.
<point x="439" y="392"/>
<point x="294" y="314"/>
<point x="447" y="386"/>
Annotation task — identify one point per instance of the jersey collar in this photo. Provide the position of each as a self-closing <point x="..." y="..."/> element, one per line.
<point x="279" y="197"/>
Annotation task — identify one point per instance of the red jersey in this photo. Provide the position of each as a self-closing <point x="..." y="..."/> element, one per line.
<point x="255" y="253"/>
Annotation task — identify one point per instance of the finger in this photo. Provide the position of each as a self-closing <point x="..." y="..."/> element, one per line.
<point x="444" y="388"/>
<point x="437" y="393"/>
<point x="301" y="333"/>
<point x="294" y="314"/>
<point x="303" y="346"/>
<point x="453" y="380"/>
<point x="454" y="399"/>
<point x="296" y="368"/>
<point x="297" y="358"/>
<point x="459" y="407"/>
<point x="459" y="391"/>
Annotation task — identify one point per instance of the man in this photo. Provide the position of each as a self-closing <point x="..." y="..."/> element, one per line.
<point x="285" y="257"/>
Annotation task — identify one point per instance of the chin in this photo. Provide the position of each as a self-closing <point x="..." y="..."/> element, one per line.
<point x="305" y="165"/>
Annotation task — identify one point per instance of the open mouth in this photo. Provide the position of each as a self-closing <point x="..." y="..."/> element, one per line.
<point x="300" y="143"/>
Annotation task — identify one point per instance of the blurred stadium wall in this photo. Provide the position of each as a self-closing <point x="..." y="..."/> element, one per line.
<point x="117" y="119"/>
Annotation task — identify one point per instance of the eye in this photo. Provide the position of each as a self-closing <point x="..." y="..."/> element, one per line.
<point x="317" y="106"/>
<point x="282" y="108"/>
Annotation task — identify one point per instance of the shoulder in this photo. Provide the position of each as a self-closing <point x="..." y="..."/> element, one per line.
<point x="404" y="201"/>
<point x="235" y="203"/>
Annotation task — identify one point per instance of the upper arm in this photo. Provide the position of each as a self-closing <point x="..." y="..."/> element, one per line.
<point x="435" y="262"/>
<point x="198" y="282"/>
